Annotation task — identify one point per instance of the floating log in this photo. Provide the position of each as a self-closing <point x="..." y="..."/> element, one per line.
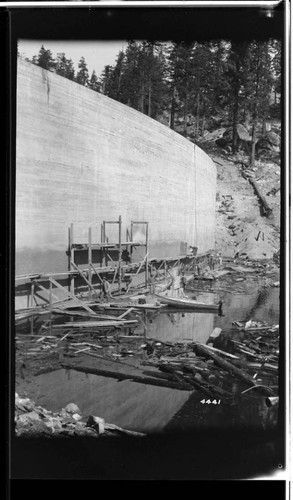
<point x="224" y="353"/>
<point x="112" y="427"/>
<point x="207" y="352"/>
<point x="212" y="391"/>
<point x="264" y="366"/>
<point x="266" y="209"/>
<point x="159" y="375"/>
<point x="182" y="386"/>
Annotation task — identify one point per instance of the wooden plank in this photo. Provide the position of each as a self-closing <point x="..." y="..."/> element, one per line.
<point x="95" y="324"/>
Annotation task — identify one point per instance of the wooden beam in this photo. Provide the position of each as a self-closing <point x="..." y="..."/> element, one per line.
<point x="147" y="252"/>
<point x="97" y="274"/>
<point x="84" y="278"/>
<point x="90" y="260"/>
<point x="72" y="296"/>
<point x="71" y="257"/>
<point x="49" y="292"/>
<point x="119" y="253"/>
<point x="141" y="264"/>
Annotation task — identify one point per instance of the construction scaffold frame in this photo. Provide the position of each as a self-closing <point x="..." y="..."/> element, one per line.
<point x="121" y="273"/>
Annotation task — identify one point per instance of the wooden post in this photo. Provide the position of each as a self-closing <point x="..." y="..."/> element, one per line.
<point x="90" y="261"/>
<point x="50" y="306"/>
<point x="28" y="297"/>
<point x="50" y="295"/>
<point x="32" y="294"/>
<point x="146" y="324"/>
<point x="103" y="240"/>
<point x="115" y="272"/>
<point x="120" y="254"/>
<point x="32" y="324"/>
<point x="146" y="251"/>
<point x="131" y="239"/>
<point x="71" y="257"/>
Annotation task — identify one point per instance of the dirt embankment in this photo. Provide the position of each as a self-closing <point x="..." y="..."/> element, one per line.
<point x="240" y="224"/>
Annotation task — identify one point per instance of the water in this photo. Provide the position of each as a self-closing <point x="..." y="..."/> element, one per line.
<point x="128" y="404"/>
<point x="153" y="409"/>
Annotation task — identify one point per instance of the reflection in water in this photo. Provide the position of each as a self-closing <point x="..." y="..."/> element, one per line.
<point x="148" y="408"/>
<point x="127" y="404"/>
<point x="248" y="413"/>
<point x="181" y="327"/>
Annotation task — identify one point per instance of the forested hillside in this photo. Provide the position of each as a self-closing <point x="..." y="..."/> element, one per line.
<point x="233" y="88"/>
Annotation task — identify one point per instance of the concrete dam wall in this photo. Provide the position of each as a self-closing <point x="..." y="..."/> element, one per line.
<point x="83" y="158"/>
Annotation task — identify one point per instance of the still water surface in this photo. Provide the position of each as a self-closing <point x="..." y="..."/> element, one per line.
<point x="152" y="409"/>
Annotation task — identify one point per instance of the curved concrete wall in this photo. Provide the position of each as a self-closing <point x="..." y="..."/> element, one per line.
<point x="84" y="158"/>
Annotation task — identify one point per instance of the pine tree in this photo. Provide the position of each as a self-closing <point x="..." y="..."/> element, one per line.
<point x="114" y="89"/>
<point x="106" y="80"/>
<point x="236" y="75"/>
<point x="45" y="59"/>
<point x="93" y="82"/>
<point x="259" y="86"/>
<point x="82" y="76"/>
<point x="64" y="66"/>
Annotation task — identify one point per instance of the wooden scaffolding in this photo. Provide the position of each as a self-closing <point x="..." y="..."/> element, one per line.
<point x="105" y="247"/>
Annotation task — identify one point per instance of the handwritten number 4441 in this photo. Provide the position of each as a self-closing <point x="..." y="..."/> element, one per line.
<point x="209" y="402"/>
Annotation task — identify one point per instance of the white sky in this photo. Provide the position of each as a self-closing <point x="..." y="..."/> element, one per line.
<point x="97" y="54"/>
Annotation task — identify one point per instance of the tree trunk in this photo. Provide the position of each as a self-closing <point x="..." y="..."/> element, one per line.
<point x="185" y="118"/>
<point x="197" y="116"/>
<point x="252" y="155"/>
<point x="235" y="121"/>
<point x="264" y="127"/>
<point x="172" y="112"/>
<point x="150" y="100"/>
<point x="203" y="124"/>
<point x="142" y="99"/>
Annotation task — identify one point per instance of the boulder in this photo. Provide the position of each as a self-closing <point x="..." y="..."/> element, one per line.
<point x="29" y="417"/>
<point x="76" y="417"/>
<point x="263" y="145"/>
<point x="216" y="134"/>
<point x="222" y="143"/>
<point x="273" y="138"/>
<point x="72" y="408"/>
<point x="242" y="133"/>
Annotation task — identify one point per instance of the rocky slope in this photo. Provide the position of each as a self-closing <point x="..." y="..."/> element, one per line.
<point x="240" y="224"/>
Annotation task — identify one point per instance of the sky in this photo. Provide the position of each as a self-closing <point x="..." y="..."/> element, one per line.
<point x="97" y="54"/>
